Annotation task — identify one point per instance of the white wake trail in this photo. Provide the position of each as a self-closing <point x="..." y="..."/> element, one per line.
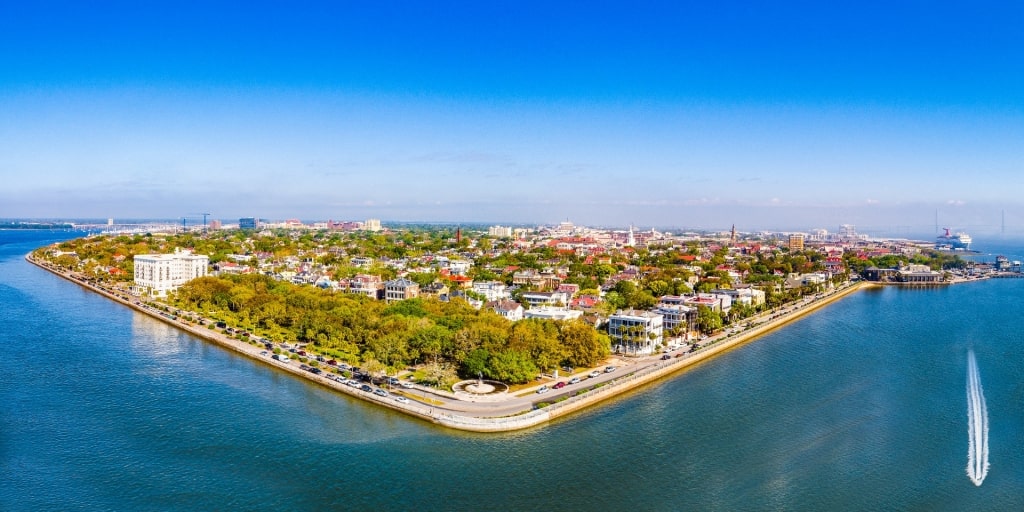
<point x="977" y="424"/>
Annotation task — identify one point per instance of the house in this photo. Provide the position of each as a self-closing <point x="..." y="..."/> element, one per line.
<point x="552" y="313"/>
<point x="365" y="284"/>
<point x="636" y="332"/>
<point x="435" y="289"/>
<point x="677" y="319"/>
<point x="535" y="299"/>
<point x="509" y="309"/>
<point x="400" y="289"/>
<point x="491" y="290"/>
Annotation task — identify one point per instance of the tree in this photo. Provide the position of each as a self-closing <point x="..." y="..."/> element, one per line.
<point x="475" y="363"/>
<point x="708" y="321"/>
<point x="583" y="345"/>
<point x="511" y="366"/>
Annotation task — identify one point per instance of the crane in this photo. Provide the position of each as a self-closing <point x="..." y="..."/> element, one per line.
<point x="205" y="215"/>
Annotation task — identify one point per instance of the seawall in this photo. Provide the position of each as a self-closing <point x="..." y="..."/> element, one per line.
<point x="446" y="418"/>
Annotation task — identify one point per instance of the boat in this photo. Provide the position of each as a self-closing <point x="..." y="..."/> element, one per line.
<point x="960" y="241"/>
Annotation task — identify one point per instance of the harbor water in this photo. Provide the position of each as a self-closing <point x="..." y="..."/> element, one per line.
<point x="869" y="404"/>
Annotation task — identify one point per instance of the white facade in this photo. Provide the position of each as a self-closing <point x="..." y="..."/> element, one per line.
<point x="372" y="225"/>
<point x="491" y="290"/>
<point x="550" y="313"/>
<point x="636" y="332"/>
<point x="157" y="274"/>
<point x="677" y="316"/>
<point x="500" y="231"/>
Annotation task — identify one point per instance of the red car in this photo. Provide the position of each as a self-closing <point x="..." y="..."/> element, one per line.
<point x="560" y="385"/>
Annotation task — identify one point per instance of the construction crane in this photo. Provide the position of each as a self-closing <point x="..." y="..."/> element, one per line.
<point x="205" y="215"/>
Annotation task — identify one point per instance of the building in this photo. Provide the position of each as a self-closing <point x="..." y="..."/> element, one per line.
<point x="365" y="284"/>
<point x="535" y="299"/>
<point x="676" y="319"/>
<point x="550" y="313"/>
<point x="157" y="274"/>
<point x="400" y="289"/>
<point x="499" y="231"/>
<point x="249" y="223"/>
<point x="491" y="290"/>
<point x="509" y="309"/>
<point x="636" y="332"/>
<point x="919" y="274"/>
<point x="372" y="225"/>
<point x="796" y="242"/>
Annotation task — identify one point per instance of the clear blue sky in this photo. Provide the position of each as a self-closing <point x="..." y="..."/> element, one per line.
<point x="703" y="114"/>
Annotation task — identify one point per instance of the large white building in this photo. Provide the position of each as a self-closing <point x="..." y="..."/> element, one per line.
<point x="500" y="231"/>
<point x="157" y="274"/>
<point x="636" y="332"/>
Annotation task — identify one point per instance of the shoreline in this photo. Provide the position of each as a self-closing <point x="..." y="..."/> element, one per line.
<point x="652" y="370"/>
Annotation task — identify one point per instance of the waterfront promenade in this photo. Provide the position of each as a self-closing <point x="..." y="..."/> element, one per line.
<point x="517" y="411"/>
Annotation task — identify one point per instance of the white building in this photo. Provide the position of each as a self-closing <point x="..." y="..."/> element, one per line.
<point x="509" y="309"/>
<point x="551" y="313"/>
<point x="500" y="231"/>
<point x="636" y="332"/>
<point x="678" y="318"/>
<point x="372" y="225"/>
<point x="157" y="274"/>
<point x="491" y="290"/>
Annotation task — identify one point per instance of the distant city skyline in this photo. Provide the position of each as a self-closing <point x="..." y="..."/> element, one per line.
<point x="794" y="116"/>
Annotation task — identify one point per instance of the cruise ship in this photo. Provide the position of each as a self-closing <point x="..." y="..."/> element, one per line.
<point x="958" y="241"/>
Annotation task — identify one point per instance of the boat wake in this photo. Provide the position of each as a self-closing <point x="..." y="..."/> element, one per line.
<point x="977" y="424"/>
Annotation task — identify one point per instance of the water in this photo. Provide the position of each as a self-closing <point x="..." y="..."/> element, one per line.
<point x="977" y="424"/>
<point x="858" y="407"/>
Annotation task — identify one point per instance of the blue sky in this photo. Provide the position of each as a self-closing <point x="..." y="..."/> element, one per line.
<point x="762" y="114"/>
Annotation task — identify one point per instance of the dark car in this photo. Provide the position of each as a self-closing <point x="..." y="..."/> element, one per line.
<point x="666" y="357"/>
<point x="366" y="388"/>
<point x="560" y="385"/>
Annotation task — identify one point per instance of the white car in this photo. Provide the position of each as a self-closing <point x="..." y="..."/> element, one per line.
<point x="407" y="384"/>
<point x="401" y="399"/>
<point x="543" y="389"/>
<point x="609" y="369"/>
<point x="594" y="373"/>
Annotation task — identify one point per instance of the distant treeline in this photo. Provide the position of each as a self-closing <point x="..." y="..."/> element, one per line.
<point x="36" y="225"/>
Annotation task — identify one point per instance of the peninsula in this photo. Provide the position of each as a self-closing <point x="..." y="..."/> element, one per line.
<point x="604" y="312"/>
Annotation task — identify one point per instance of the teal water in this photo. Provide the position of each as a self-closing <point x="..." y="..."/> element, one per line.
<point x="861" y="406"/>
